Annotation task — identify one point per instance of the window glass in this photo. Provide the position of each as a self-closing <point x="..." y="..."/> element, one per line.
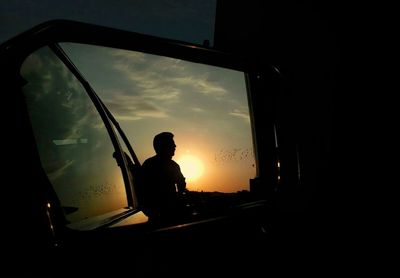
<point x="206" y="107"/>
<point x="74" y="146"/>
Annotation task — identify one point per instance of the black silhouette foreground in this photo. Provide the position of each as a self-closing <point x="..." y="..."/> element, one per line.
<point x="163" y="185"/>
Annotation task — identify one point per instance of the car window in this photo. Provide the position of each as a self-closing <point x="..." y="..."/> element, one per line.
<point x="73" y="143"/>
<point x="206" y="107"/>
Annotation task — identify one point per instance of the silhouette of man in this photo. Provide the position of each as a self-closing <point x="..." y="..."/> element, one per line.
<point x="162" y="180"/>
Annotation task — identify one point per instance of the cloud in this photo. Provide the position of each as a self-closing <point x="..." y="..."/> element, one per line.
<point x="197" y="109"/>
<point x="240" y="114"/>
<point x="151" y="77"/>
<point x="162" y="94"/>
<point x="164" y="78"/>
<point x="169" y="65"/>
<point x="200" y="84"/>
<point x="157" y="85"/>
<point x="132" y="56"/>
<point x="129" y="107"/>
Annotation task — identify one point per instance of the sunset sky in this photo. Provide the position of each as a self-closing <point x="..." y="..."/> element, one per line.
<point x="205" y="107"/>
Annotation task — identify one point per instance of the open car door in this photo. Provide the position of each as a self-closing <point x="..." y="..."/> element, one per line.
<point x="88" y="100"/>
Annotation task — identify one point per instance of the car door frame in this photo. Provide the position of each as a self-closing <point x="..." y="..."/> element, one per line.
<point x="262" y="81"/>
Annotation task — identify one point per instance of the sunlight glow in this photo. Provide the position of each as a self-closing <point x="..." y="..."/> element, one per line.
<point x="191" y="167"/>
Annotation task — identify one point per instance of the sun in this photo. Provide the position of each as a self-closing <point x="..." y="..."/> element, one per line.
<point x="191" y="166"/>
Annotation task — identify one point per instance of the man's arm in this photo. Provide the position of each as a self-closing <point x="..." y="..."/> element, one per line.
<point x="180" y="180"/>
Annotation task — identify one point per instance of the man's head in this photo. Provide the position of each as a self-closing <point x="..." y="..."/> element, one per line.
<point x="164" y="144"/>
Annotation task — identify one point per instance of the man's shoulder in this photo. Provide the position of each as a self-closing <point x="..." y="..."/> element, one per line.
<point x="149" y="160"/>
<point x="174" y="164"/>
